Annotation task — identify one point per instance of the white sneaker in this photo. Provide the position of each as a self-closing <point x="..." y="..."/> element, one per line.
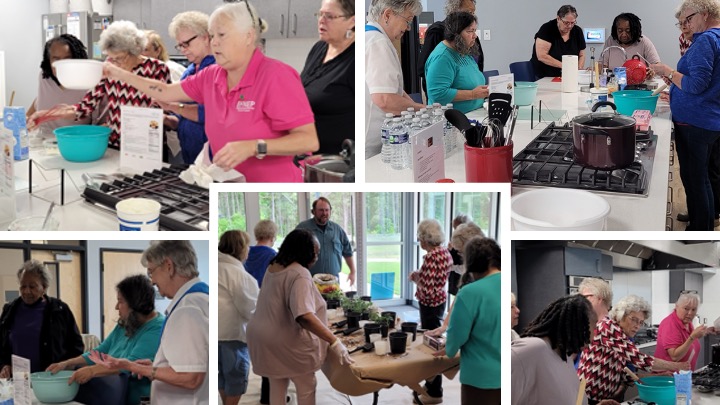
<point x="427" y="400"/>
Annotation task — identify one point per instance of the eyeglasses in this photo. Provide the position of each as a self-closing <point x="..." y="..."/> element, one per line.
<point x="329" y="17"/>
<point x="568" y="23"/>
<point x="185" y="44"/>
<point x="636" y="321"/>
<point x="408" y="20"/>
<point x="151" y="270"/>
<point x="686" y="21"/>
<point x="117" y="60"/>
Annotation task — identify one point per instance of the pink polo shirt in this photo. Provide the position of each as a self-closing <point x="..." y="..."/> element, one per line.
<point x="268" y="102"/>
<point x="672" y="333"/>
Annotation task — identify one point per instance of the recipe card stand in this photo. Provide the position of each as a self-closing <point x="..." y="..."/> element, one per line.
<point x="52" y="178"/>
<point x="546" y="115"/>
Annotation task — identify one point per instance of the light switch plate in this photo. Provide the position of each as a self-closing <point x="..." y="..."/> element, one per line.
<point x="486" y="35"/>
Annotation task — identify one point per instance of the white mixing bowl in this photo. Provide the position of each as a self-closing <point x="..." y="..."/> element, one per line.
<point x="558" y="209"/>
<point x="78" y="74"/>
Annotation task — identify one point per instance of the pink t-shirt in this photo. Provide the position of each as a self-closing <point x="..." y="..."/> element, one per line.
<point x="268" y="102"/>
<point x="673" y="333"/>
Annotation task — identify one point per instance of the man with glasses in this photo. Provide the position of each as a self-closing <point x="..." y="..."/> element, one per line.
<point x="555" y="38"/>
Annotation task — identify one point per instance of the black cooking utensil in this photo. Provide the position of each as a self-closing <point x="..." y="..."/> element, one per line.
<point x="499" y="106"/>
<point x="458" y="119"/>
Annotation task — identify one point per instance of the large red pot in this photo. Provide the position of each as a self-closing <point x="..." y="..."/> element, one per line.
<point x="603" y="140"/>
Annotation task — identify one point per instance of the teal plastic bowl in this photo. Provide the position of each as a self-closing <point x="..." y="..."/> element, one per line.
<point x="53" y="388"/>
<point x="627" y="101"/>
<point x="525" y="93"/>
<point x="82" y="143"/>
<point x="658" y="389"/>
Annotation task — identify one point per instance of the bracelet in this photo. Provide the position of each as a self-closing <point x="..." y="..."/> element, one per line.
<point x="152" y="375"/>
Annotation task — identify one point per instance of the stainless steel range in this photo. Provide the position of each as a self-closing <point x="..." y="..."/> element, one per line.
<point x="708" y="377"/>
<point x="184" y="207"/>
<point x="547" y="161"/>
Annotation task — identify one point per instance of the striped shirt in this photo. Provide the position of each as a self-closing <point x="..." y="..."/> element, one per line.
<point x="433" y="277"/>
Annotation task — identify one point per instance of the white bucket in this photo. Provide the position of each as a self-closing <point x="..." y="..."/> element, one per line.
<point x="537" y="210"/>
<point x="102" y="7"/>
<point x="77" y="6"/>
<point x="138" y="214"/>
<point x="58" y="6"/>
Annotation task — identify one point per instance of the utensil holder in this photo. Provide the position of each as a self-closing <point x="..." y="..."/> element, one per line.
<point x="488" y="165"/>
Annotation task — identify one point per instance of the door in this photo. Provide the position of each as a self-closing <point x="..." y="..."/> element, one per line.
<point x="115" y="266"/>
<point x="66" y="283"/>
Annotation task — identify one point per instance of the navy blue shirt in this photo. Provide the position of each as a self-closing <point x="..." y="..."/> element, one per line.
<point x="190" y="133"/>
<point x="25" y="333"/>
<point x="334" y="245"/>
<point x="258" y="260"/>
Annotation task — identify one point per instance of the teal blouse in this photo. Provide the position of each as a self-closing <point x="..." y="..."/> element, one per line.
<point x="446" y="72"/>
<point x="142" y="345"/>
<point x="475" y="330"/>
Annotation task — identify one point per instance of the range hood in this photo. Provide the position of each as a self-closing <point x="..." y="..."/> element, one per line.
<point x="699" y="256"/>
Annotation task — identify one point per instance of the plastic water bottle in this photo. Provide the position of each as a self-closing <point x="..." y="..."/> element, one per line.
<point x="398" y="145"/>
<point x="415" y="127"/>
<point x="385" y="136"/>
<point x="411" y="110"/>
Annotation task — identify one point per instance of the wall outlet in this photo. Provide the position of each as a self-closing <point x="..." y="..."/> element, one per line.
<point x="486" y="35"/>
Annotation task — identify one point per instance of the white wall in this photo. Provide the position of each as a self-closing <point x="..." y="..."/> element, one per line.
<point x="513" y="25"/>
<point x="94" y="303"/>
<point x="21" y="40"/>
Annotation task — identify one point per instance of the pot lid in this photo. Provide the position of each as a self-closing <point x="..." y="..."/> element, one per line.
<point x="604" y="120"/>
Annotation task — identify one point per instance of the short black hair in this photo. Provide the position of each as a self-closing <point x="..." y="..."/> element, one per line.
<point x="566" y="323"/>
<point x="77" y="50"/>
<point x="566" y="9"/>
<point x="635" y="27"/>
<point x="298" y="246"/>
<point x="456" y="23"/>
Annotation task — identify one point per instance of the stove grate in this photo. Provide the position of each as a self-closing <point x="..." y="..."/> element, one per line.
<point x="708" y="377"/>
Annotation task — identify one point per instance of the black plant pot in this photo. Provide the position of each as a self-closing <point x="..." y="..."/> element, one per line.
<point x="365" y="316"/>
<point x="392" y="314"/>
<point x="384" y="329"/>
<point x="333" y="304"/>
<point x="366" y="298"/>
<point x="371" y="328"/>
<point x="350" y="294"/>
<point x="353" y="319"/>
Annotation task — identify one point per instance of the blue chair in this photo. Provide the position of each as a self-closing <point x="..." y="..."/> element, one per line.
<point x="488" y="74"/>
<point x="523" y="71"/>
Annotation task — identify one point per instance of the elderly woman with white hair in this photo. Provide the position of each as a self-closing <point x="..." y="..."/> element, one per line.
<point x="257" y="113"/>
<point x="388" y="20"/>
<point x="611" y="349"/>
<point x="123" y="44"/>
<point x="678" y="339"/>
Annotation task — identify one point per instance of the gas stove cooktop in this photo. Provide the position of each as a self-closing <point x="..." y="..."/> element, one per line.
<point x="184" y="207"/>
<point x="547" y="161"/>
<point x="708" y="377"/>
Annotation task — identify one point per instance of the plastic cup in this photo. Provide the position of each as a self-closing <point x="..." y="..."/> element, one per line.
<point x="408" y="340"/>
<point x="138" y="214"/>
<point x="375" y="337"/>
<point x="34" y="224"/>
<point x="381" y="347"/>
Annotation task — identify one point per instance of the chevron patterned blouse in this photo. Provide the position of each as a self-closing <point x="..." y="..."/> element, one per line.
<point x="118" y="94"/>
<point x="602" y="362"/>
<point x="433" y="277"/>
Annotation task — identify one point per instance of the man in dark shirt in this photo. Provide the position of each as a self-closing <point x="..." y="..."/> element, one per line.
<point x="436" y="34"/>
<point x="558" y="37"/>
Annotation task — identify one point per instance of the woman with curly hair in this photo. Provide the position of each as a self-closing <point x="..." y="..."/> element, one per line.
<point x="50" y="90"/>
<point x="123" y="43"/>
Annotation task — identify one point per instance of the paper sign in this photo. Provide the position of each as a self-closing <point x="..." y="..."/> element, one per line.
<point x="49" y="33"/>
<point x="73" y="25"/>
<point x="503" y="84"/>
<point x="428" y="151"/>
<point x="21" y="380"/>
<point x="141" y="138"/>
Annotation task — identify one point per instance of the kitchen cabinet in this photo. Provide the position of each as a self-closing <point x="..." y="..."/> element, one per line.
<point x="685" y="281"/>
<point x="289" y="18"/>
<point x="137" y="11"/>
<point x="588" y="263"/>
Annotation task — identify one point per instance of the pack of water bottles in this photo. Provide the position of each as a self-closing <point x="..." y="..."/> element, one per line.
<point x="397" y="134"/>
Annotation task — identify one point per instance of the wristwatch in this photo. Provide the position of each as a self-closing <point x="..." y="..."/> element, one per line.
<point x="671" y="75"/>
<point x="181" y="106"/>
<point x="260" y="149"/>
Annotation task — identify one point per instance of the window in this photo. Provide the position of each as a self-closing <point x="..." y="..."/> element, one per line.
<point x="384" y="218"/>
<point x="477" y="205"/>
<point x="231" y="212"/>
<point x="281" y="208"/>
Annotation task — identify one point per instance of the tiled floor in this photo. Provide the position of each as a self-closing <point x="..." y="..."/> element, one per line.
<point x="326" y="395"/>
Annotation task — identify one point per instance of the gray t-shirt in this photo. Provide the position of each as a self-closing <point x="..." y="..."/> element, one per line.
<point x="539" y="376"/>
<point x="49" y="95"/>
<point x="644" y="47"/>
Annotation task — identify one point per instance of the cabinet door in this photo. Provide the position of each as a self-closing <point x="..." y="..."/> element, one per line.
<point x="275" y="12"/>
<point x="582" y="262"/>
<point x="303" y="23"/>
<point x="129" y="10"/>
<point x="161" y="13"/>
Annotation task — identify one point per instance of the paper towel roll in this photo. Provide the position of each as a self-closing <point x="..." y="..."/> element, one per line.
<point x="569" y="73"/>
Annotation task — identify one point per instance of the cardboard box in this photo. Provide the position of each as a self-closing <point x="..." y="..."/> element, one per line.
<point x="435" y="343"/>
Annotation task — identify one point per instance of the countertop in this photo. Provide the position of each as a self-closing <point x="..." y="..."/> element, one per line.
<point x="627" y="212"/>
<point x="75" y="214"/>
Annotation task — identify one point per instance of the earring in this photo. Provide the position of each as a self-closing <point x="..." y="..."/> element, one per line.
<point x="387" y="21"/>
<point x="349" y="33"/>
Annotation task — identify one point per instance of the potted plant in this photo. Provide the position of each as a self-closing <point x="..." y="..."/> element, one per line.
<point x="356" y="305"/>
<point x="384" y="320"/>
<point x="333" y="298"/>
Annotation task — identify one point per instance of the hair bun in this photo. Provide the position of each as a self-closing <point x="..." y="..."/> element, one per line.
<point x="262" y="24"/>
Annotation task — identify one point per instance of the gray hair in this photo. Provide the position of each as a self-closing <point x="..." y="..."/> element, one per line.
<point x="711" y="7"/>
<point x="265" y="230"/>
<point x="244" y="15"/>
<point x="461" y="219"/>
<point x="688" y="297"/>
<point x="194" y="21"/>
<point x="36" y="268"/>
<point x="513" y="299"/>
<point x="565" y="10"/>
<point x="430" y="232"/>
<point x="180" y="252"/>
<point x="452" y="6"/>
<point x="398" y="6"/>
<point x="463" y="233"/>
<point x="599" y="288"/>
<point x="123" y="36"/>
<point x="631" y="303"/>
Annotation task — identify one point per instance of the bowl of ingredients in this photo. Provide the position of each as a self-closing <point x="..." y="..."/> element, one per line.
<point x="52" y="388"/>
<point x="525" y="93"/>
<point x="82" y="143"/>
